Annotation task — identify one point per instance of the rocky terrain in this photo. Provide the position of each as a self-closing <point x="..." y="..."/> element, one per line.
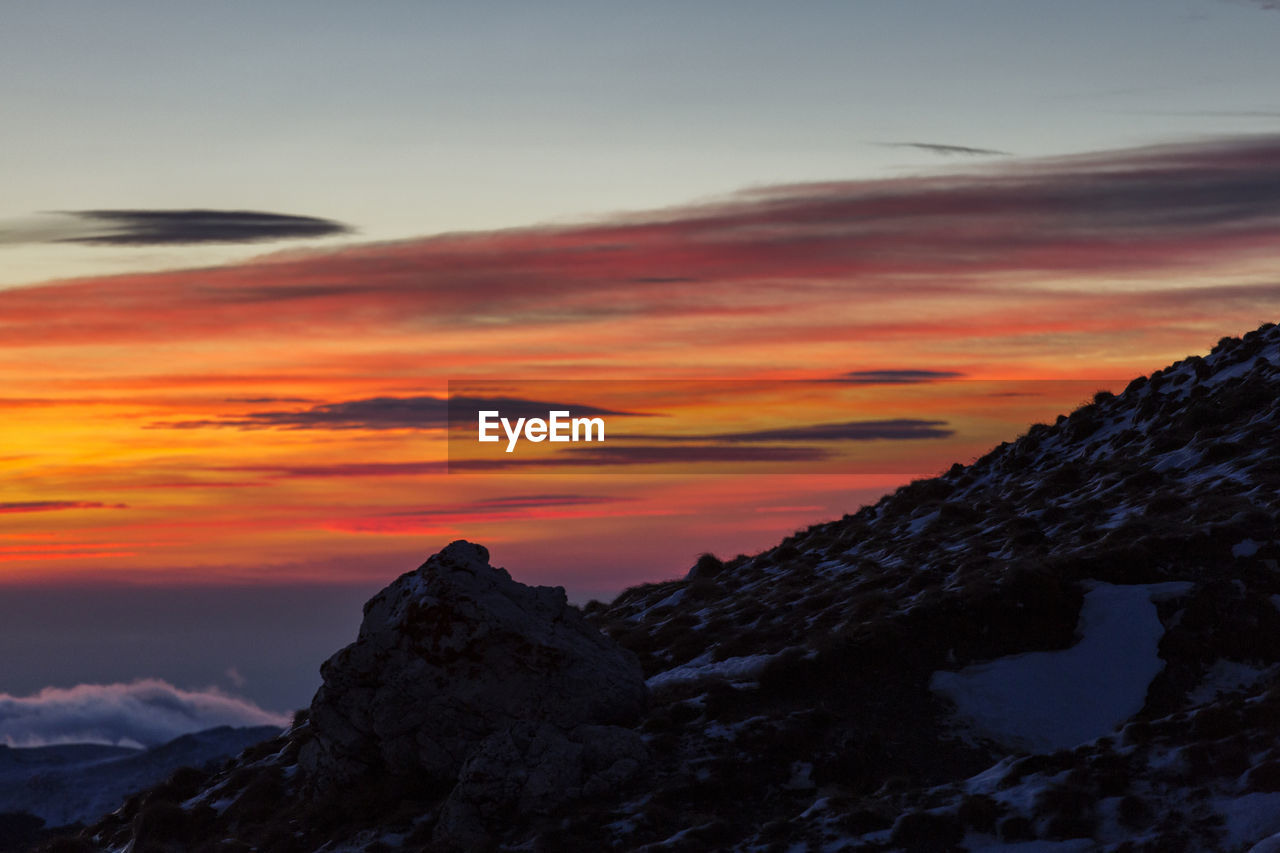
<point x="1071" y="644"/>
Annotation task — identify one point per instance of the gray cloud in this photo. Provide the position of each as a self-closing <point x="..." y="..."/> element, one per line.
<point x="345" y="469"/>
<point x="899" y="429"/>
<point x="507" y="505"/>
<point x="894" y="377"/>
<point x="168" y="227"/>
<point x="785" y="444"/>
<point x="895" y="429"/>
<point x="948" y="150"/>
<point x="647" y="454"/>
<point x="144" y="713"/>
<point x="376" y="413"/>
<point x="263" y="400"/>
<point x="159" y="227"/>
<point x="514" y="502"/>
<point x="1266" y="114"/>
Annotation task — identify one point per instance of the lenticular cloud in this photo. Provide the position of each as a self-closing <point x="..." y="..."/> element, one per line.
<point x="143" y="713"/>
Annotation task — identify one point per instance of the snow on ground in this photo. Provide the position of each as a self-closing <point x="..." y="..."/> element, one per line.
<point x="1245" y="548"/>
<point x="1225" y="676"/>
<point x="1249" y="817"/>
<point x="670" y="601"/>
<point x="1045" y="701"/>
<point x="918" y="524"/>
<point x="744" y="668"/>
<point x="975" y="843"/>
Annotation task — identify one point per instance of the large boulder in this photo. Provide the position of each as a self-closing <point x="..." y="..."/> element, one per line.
<point x="532" y="769"/>
<point x="452" y="654"/>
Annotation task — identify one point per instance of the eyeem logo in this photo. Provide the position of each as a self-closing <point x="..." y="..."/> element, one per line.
<point x="559" y="426"/>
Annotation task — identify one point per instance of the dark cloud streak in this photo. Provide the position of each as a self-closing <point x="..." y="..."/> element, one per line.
<point x="895" y="429"/>
<point x="382" y="413"/>
<point x="510" y="504"/>
<point x="645" y="454"/>
<point x="343" y="469"/>
<point x="948" y="150"/>
<point x="1267" y="114"/>
<point x="899" y="429"/>
<point x="170" y="227"/>
<point x="55" y="506"/>
<point x="161" y="227"/>
<point x="894" y="377"/>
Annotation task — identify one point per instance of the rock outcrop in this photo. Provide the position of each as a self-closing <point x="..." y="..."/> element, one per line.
<point x="532" y="769"/>
<point x="452" y="654"/>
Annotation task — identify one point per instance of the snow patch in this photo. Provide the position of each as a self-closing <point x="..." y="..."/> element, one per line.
<point x="917" y="525"/>
<point x="1045" y="701"/>
<point x="1248" y="818"/>
<point x="670" y="601"/>
<point x="1224" y="676"/>
<point x="1267" y="845"/>
<point x="1246" y="548"/>
<point x="984" y="843"/>
<point x="744" y="668"/>
<point x="801" y="777"/>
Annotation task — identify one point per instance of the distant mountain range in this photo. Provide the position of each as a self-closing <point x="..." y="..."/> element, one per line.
<point x="1072" y="644"/>
<point x="79" y="783"/>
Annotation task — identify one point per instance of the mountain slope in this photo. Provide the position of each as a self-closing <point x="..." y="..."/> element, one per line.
<point x="1074" y="640"/>
<point x="81" y="782"/>
<point x="1175" y="482"/>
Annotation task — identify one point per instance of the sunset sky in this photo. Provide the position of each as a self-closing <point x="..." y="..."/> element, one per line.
<point x="246" y="247"/>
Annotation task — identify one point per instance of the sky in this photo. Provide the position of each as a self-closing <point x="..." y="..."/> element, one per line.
<point x="247" y="249"/>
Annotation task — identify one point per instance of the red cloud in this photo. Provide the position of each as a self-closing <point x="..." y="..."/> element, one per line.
<point x="987" y="233"/>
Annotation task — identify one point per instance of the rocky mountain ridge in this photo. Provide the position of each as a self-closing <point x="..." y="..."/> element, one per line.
<point x="1073" y="642"/>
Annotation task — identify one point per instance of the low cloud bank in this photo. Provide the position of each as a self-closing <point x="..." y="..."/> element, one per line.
<point x="142" y="713"/>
